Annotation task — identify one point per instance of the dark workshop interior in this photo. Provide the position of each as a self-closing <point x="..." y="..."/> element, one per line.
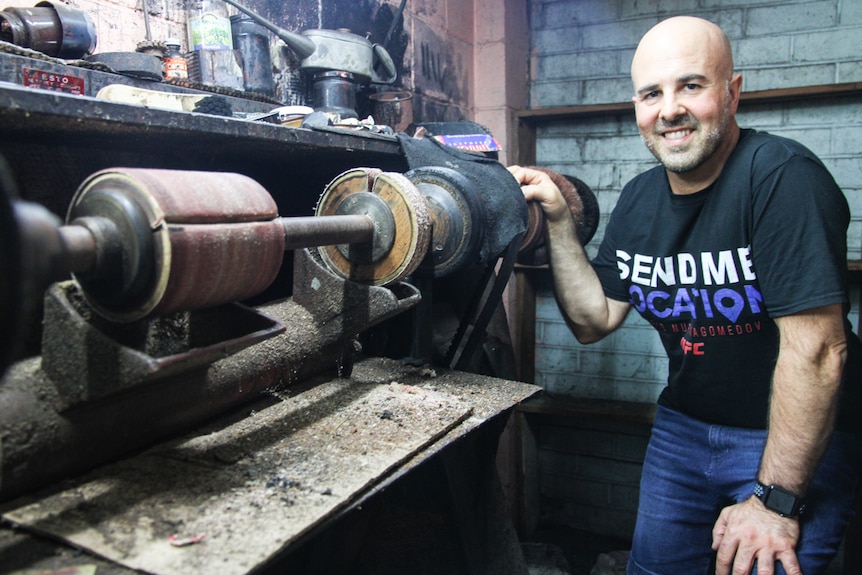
<point x="272" y="303"/>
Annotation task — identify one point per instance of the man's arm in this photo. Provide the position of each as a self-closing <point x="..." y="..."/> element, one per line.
<point x="589" y="313"/>
<point x="801" y="419"/>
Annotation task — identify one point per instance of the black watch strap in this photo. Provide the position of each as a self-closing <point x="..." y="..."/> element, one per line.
<point x="780" y="500"/>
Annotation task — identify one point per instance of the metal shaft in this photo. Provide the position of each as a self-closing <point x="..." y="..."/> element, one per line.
<point x="299" y="232"/>
<point x="310" y="231"/>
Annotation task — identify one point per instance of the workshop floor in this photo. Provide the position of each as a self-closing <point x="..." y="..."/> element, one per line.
<point x="581" y="550"/>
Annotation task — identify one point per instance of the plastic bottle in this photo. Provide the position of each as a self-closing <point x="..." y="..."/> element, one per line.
<point x="176" y="66"/>
<point x="209" y="25"/>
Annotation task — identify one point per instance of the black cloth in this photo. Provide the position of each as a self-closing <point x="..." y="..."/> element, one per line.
<point x="711" y="270"/>
<point x="504" y="207"/>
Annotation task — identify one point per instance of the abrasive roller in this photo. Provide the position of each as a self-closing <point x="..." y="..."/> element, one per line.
<point x="167" y="240"/>
<point x="149" y="242"/>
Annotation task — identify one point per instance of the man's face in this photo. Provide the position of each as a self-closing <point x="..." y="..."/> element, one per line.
<point x="683" y="108"/>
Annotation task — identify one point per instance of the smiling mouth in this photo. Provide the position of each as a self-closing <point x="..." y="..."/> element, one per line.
<point x="677" y="134"/>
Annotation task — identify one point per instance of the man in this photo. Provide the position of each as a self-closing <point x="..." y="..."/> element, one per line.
<point x="734" y="249"/>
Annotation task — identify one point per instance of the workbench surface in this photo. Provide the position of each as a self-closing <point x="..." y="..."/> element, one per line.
<point x="237" y="494"/>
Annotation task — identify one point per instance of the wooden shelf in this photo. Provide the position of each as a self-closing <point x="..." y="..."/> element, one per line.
<point x="535" y="115"/>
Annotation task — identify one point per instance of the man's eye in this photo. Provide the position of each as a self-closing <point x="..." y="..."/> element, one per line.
<point x="692" y="87"/>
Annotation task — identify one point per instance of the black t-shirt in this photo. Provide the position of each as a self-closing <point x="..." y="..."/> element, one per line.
<point x="712" y="269"/>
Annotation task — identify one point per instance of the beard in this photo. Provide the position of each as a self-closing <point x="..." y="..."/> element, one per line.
<point x="689" y="156"/>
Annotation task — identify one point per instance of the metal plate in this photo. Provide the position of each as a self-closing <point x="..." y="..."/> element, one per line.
<point x="364" y="203"/>
<point x="134" y="64"/>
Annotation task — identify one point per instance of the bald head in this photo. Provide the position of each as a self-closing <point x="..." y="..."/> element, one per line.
<point x="686" y="97"/>
<point x="694" y="41"/>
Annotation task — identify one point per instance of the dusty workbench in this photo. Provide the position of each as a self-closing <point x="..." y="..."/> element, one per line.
<point x="291" y="481"/>
<point x="390" y="471"/>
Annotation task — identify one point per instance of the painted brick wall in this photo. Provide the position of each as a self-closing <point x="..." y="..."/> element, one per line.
<point x="432" y="47"/>
<point x="581" y="54"/>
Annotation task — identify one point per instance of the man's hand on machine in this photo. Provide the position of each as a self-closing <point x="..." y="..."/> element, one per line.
<point x="538" y="186"/>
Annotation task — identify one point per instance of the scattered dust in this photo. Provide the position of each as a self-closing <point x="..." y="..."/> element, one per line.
<point x="234" y="496"/>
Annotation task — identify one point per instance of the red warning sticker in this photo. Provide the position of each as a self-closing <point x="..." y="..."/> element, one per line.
<point x="55" y="82"/>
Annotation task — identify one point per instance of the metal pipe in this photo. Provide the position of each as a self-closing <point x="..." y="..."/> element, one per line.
<point x="395" y="20"/>
<point x="305" y="232"/>
<point x="146" y="10"/>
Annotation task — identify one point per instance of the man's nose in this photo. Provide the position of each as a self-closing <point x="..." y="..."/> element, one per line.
<point x="670" y="106"/>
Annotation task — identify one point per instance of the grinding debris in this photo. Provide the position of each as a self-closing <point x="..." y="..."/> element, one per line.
<point x="227" y="498"/>
<point x="226" y="501"/>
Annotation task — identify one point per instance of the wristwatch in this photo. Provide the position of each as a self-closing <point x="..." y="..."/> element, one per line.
<point x="776" y="498"/>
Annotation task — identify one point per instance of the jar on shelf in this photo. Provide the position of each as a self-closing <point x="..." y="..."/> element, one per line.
<point x="209" y="25"/>
<point x="176" y="65"/>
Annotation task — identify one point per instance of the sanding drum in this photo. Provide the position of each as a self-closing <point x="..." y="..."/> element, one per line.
<point x="151" y="242"/>
<point x="402" y="225"/>
<point x="175" y="240"/>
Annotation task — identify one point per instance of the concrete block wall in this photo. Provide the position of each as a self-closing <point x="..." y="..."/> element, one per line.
<point x="590" y="471"/>
<point x="581" y="53"/>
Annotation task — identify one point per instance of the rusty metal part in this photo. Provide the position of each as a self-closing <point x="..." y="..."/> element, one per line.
<point x="192" y="239"/>
<point x="412" y="226"/>
<point x="51" y="28"/>
<point x="334" y="92"/>
<point x="48" y="436"/>
<point x="133" y="64"/>
<point x="133" y="355"/>
<point x="456" y="214"/>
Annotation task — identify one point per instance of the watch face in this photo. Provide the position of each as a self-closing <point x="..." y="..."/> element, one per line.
<point x="781" y="501"/>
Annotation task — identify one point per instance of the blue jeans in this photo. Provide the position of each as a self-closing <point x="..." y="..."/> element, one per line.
<point x="693" y="470"/>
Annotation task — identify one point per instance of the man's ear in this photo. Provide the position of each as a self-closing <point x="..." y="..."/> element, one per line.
<point x="735" y="88"/>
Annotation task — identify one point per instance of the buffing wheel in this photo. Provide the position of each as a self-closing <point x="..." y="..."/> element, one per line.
<point x="400" y="241"/>
<point x="457" y="214"/>
<point x="583" y="205"/>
